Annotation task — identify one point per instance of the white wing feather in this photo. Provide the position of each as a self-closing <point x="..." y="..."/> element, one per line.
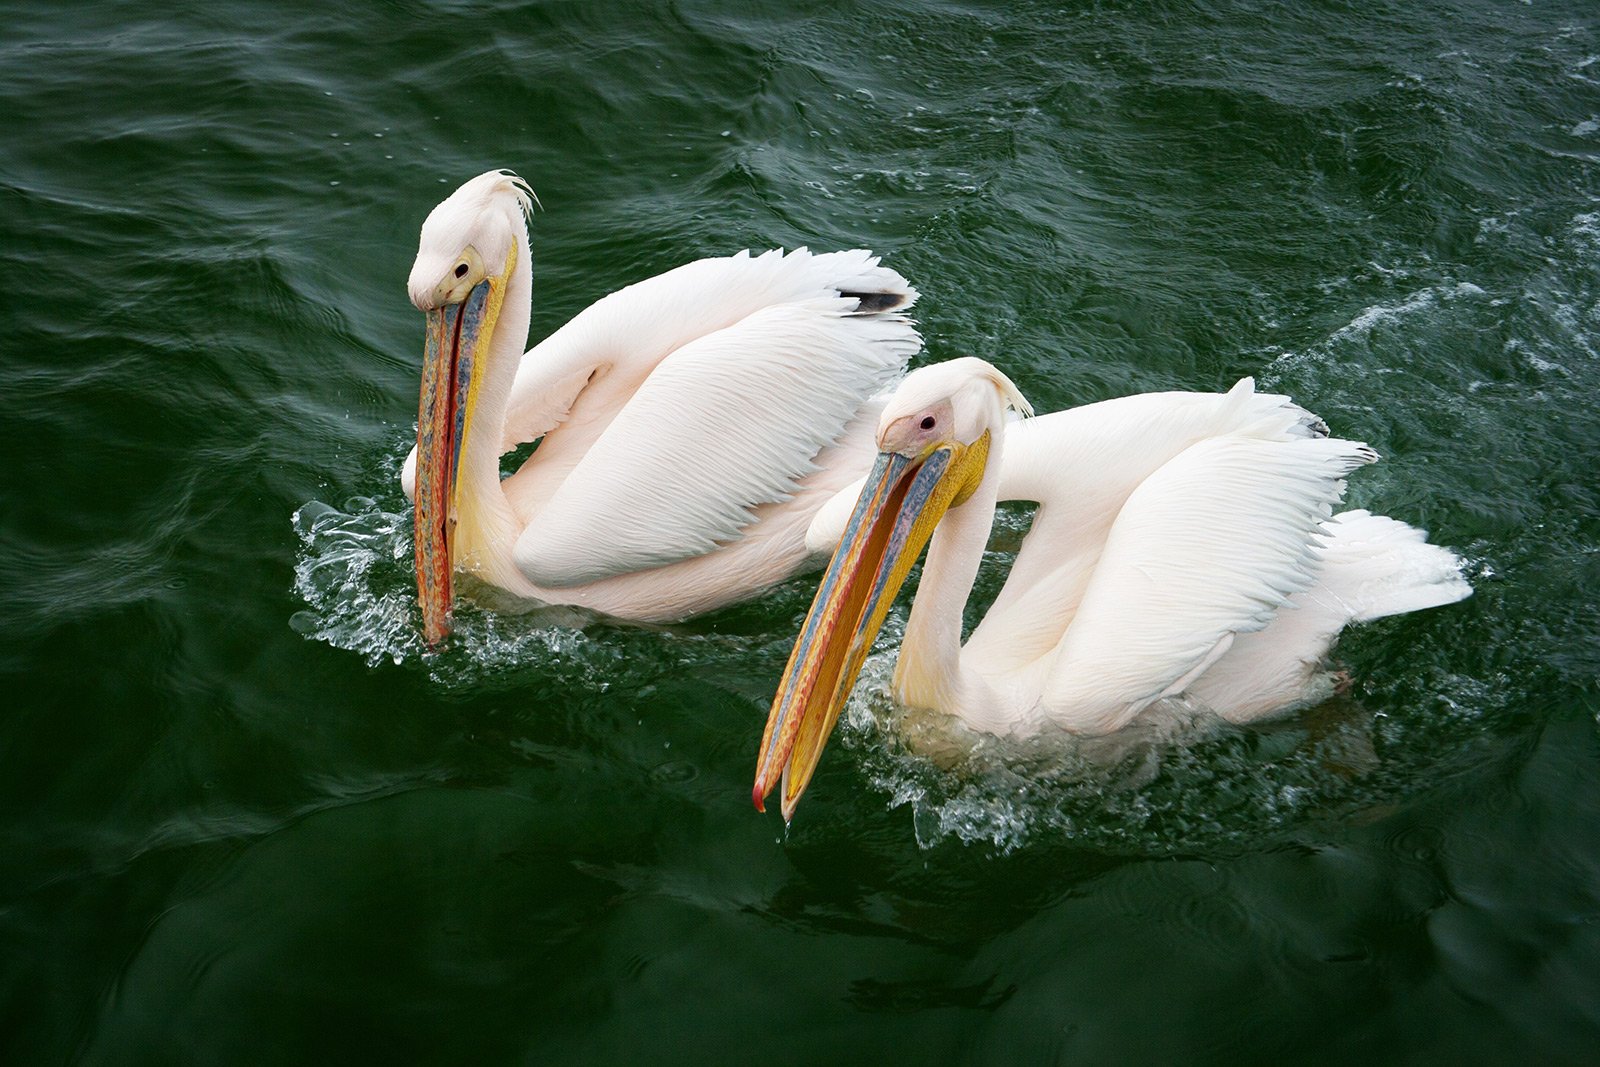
<point x="640" y="324"/>
<point x="1369" y="566"/>
<point x="1209" y="546"/>
<point x="1082" y="465"/>
<point x="726" y="422"/>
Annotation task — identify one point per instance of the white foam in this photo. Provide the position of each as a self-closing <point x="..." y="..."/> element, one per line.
<point x="355" y="575"/>
<point x="1420" y="301"/>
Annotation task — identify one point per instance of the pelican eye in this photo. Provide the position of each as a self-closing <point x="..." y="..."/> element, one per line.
<point x="927" y="422"/>
<point x="456" y="281"/>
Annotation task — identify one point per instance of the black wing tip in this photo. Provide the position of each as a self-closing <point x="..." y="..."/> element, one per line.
<point x="877" y="303"/>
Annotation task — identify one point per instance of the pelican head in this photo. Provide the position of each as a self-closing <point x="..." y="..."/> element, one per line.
<point x="933" y="451"/>
<point x="465" y="262"/>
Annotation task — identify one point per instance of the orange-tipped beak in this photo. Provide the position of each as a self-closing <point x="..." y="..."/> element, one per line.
<point x="902" y="502"/>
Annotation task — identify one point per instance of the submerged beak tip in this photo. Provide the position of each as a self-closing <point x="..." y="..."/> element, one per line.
<point x="434" y="636"/>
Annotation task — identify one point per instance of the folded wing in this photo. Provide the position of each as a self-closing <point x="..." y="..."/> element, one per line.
<point x="725" y="423"/>
<point x="1209" y="546"/>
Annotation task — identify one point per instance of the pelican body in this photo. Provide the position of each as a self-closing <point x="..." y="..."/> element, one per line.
<point x="1184" y="544"/>
<point x="689" y="427"/>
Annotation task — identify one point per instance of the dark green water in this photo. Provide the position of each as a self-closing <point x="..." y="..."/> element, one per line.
<point x="244" y="820"/>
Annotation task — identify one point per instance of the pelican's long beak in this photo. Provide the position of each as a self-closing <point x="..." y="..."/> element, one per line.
<point x="902" y="502"/>
<point x="458" y="339"/>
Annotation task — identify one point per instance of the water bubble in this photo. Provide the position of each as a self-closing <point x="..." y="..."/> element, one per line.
<point x="675" y="772"/>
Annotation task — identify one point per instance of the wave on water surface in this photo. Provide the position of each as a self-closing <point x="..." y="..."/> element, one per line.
<point x="1184" y="782"/>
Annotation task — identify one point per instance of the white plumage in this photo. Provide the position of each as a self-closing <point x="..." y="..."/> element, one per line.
<point x="1170" y="526"/>
<point x="689" y="426"/>
<point x="726" y="422"/>
<point x="1184" y="544"/>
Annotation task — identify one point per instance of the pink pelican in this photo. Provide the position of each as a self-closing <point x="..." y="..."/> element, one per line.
<point x="1184" y="545"/>
<point x="689" y="427"/>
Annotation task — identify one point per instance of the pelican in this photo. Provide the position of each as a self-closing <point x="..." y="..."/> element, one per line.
<point x="689" y="426"/>
<point x="1184" y="545"/>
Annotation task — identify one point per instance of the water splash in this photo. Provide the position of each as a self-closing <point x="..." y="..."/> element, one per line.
<point x="354" y="573"/>
<point x="1183" y="781"/>
<point x="343" y="576"/>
